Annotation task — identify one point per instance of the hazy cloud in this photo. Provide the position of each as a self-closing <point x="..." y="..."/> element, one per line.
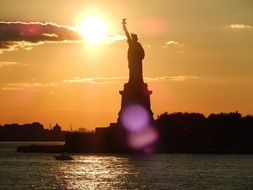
<point x="10" y="63"/>
<point x="240" y="26"/>
<point x="102" y="80"/>
<point x="25" y="35"/>
<point x="115" y="37"/>
<point x="15" y="35"/>
<point x="172" y="43"/>
<point x="96" y="80"/>
<point x="172" y="78"/>
<point x="7" y="63"/>
<point x="26" y="86"/>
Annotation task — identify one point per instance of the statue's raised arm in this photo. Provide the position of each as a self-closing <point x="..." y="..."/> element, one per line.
<point x="125" y="29"/>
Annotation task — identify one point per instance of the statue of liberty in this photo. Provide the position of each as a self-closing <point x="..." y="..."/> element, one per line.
<point x="135" y="55"/>
<point x="135" y="90"/>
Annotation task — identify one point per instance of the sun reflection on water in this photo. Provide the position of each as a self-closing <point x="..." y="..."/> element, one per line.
<point x="96" y="172"/>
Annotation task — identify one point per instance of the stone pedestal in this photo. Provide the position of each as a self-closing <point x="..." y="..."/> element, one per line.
<point x="136" y="94"/>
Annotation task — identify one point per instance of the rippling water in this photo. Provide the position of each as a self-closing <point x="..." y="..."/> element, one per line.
<point x="115" y="171"/>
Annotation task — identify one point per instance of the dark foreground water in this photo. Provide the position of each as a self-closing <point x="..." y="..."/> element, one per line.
<point x="115" y="171"/>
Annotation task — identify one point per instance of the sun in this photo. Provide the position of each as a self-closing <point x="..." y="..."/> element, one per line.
<point x="93" y="29"/>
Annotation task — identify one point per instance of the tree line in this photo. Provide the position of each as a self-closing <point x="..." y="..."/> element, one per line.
<point x="193" y="132"/>
<point x="30" y="132"/>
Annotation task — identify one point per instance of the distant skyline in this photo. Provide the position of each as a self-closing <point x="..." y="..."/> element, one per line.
<point x="52" y="70"/>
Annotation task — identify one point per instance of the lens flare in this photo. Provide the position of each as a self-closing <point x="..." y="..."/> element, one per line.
<point x="143" y="140"/>
<point x="135" y="118"/>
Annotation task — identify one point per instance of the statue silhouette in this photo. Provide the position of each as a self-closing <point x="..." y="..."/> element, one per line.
<point x="135" y="55"/>
<point x="135" y="91"/>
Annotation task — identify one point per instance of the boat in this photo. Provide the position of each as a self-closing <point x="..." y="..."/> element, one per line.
<point x="63" y="156"/>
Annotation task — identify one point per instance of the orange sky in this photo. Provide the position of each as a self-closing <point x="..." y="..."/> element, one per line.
<point x="198" y="59"/>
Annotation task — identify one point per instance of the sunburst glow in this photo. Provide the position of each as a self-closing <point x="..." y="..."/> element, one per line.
<point x="93" y="30"/>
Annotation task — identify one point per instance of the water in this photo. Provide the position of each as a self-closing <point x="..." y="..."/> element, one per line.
<point x="114" y="171"/>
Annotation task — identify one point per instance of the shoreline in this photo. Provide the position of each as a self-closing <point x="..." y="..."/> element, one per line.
<point x="33" y="148"/>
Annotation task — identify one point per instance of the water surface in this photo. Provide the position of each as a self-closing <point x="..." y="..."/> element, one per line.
<point x="115" y="171"/>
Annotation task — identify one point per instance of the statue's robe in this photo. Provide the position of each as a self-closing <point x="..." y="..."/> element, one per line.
<point x="135" y="56"/>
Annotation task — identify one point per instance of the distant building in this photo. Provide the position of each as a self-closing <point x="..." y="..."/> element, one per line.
<point x="82" y="130"/>
<point x="57" y="128"/>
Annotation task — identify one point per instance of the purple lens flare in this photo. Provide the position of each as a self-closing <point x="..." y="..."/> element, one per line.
<point x="142" y="139"/>
<point x="135" y="118"/>
<point x="141" y="134"/>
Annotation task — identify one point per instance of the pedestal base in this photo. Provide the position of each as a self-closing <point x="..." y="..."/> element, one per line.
<point x="136" y="94"/>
